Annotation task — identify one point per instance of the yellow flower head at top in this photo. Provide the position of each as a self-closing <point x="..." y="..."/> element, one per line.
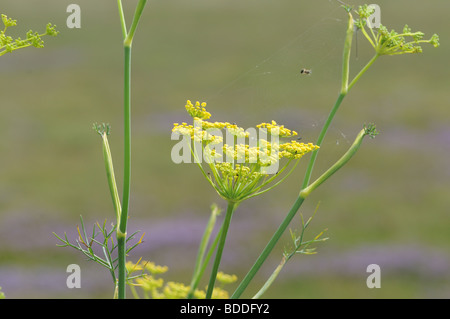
<point x="240" y="169"/>
<point x="198" y="110"/>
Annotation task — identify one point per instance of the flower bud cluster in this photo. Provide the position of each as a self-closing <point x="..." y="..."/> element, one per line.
<point x="9" y="44"/>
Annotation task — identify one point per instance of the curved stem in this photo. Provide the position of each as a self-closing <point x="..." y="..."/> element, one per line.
<point x="110" y="176"/>
<point x="336" y="166"/>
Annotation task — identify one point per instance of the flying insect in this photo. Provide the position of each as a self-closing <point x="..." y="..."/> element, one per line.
<point x="306" y="71"/>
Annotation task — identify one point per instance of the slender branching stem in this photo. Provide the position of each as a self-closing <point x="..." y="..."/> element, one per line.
<point x="322" y="134"/>
<point x="302" y="195"/>
<point x="363" y="70"/>
<point x="122" y="226"/>
<point x="122" y="19"/>
<point x="137" y="15"/>
<point x="336" y="166"/>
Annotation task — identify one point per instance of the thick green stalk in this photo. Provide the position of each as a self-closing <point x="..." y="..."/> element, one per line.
<point x="122" y="224"/>
<point x="223" y="236"/>
<point x="122" y="275"/>
<point x="122" y="227"/>
<point x="127" y="141"/>
<point x="268" y="249"/>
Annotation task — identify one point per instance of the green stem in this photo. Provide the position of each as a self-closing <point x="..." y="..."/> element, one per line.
<point x="271" y="279"/>
<point x="230" y="209"/>
<point x="122" y="19"/>
<point x="127" y="141"/>
<point x="336" y="166"/>
<point x="344" y="90"/>
<point x="202" y="249"/>
<point x="330" y="119"/>
<point x="122" y="227"/>
<point x="204" y="264"/>
<point x="322" y="134"/>
<point x="302" y="195"/>
<point x="267" y="250"/>
<point x="110" y="176"/>
<point x="134" y="24"/>
<point x="122" y="274"/>
<point x="346" y="54"/>
<point x="363" y="70"/>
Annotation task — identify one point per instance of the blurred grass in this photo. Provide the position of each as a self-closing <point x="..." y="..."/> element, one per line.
<point x="243" y="58"/>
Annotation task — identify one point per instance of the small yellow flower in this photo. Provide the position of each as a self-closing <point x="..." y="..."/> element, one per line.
<point x="183" y="129"/>
<point x="131" y="267"/>
<point x="225" y="278"/>
<point x="235" y="130"/>
<point x="275" y="129"/>
<point x="219" y="293"/>
<point x="295" y="150"/>
<point x="175" y="290"/>
<point x="155" y="269"/>
<point x="149" y="283"/>
<point x="198" y="110"/>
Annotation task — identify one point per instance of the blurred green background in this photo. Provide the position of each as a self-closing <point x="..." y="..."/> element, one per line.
<point x="388" y="206"/>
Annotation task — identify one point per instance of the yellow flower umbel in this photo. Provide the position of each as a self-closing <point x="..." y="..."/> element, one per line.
<point x="241" y="169"/>
<point x="246" y="166"/>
